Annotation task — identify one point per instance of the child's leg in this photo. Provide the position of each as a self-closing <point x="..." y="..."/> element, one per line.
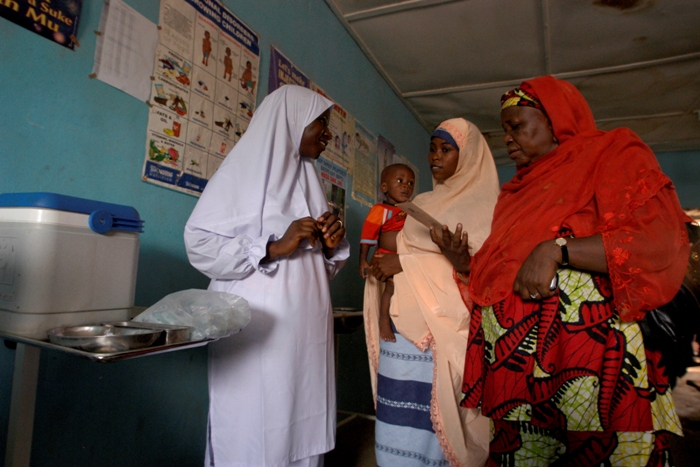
<point x="385" y="331"/>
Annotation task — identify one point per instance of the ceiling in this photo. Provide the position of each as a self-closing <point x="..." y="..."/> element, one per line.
<point x="637" y="62"/>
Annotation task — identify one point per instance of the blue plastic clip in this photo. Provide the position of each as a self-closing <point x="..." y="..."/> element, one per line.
<point x="100" y="221"/>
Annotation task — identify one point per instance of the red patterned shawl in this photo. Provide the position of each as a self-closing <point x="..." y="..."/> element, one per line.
<point x="594" y="182"/>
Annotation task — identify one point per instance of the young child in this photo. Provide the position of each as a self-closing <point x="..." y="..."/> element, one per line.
<point x="228" y="64"/>
<point x="247" y="77"/>
<point x="206" y="48"/>
<point x="380" y="229"/>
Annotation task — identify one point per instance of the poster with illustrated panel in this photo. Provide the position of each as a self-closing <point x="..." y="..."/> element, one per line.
<point x="385" y="157"/>
<point x="203" y="92"/>
<point x="364" y="181"/>
<point x="340" y="149"/>
<point x="334" y="181"/>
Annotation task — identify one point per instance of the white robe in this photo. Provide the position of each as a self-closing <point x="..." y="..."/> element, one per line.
<point x="272" y="386"/>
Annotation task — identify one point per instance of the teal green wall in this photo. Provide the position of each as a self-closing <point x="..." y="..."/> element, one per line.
<point x="62" y="132"/>
<point x="682" y="167"/>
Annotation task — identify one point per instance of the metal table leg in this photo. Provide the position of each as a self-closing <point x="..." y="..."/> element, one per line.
<point x="21" y="423"/>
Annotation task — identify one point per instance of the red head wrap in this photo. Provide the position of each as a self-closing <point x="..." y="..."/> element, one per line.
<point x="593" y="183"/>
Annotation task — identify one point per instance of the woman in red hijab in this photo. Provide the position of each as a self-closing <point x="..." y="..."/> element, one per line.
<point x="586" y="238"/>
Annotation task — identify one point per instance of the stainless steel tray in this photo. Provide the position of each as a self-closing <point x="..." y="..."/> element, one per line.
<point x="103" y="339"/>
<point x="108" y="357"/>
<point x="171" y="333"/>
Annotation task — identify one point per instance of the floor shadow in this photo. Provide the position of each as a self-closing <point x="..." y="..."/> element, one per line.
<point x="354" y="446"/>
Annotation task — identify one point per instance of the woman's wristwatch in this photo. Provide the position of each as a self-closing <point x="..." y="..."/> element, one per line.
<point x="462" y="277"/>
<point x="561" y="242"/>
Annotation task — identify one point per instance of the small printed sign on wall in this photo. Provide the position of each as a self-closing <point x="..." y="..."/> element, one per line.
<point x="56" y="20"/>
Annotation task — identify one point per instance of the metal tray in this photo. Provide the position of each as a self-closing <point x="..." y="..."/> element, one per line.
<point x="171" y="333"/>
<point x="103" y="339"/>
<point x="110" y="356"/>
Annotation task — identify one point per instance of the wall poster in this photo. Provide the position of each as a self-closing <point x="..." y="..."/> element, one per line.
<point x="364" y="180"/>
<point x="385" y="157"/>
<point x="283" y="71"/>
<point x="340" y="149"/>
<point x="334" y="181"/>
<point x="56" y="20"/>
<point x="203" y="92"/>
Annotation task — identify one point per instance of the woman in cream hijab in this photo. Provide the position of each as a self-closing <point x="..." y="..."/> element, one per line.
<point x="418" y="379"/>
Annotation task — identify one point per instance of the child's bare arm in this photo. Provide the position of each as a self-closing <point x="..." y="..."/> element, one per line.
<point x="364" y="264"/>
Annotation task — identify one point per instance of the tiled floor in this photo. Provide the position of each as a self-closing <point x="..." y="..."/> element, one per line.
<point x="355" y="434"/>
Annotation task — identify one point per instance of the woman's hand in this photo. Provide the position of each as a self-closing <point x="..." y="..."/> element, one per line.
<point x="298" y="231"/>
<point x="535" y="275"/>
<point x="454" y="247"/>
<point x="331" y="230"/>
<point x="385" y="266"/>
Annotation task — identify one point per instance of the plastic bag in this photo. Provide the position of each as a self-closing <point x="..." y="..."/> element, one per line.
<point x="211" y="314"/>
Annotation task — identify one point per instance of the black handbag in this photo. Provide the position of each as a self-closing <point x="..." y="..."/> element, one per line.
<point x="671" y="329"/>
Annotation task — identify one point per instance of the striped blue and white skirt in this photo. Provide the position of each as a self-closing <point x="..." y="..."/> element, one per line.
<point x="404" y="435"/>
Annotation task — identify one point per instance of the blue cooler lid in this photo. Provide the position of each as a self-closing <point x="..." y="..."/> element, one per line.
<point x="103" y="216"/>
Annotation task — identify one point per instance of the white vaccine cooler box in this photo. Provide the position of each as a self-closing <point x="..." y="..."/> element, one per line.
<point x="65" y="261"/>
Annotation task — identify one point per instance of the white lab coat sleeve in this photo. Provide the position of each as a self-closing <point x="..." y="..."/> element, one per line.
<point x="226" y="258"/>
<point x="336" y="262"/>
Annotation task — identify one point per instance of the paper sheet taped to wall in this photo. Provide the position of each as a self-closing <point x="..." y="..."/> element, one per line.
<point x="125" y="49"/>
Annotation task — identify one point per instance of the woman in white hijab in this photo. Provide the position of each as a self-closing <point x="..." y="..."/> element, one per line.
<point x="262" y="230"/>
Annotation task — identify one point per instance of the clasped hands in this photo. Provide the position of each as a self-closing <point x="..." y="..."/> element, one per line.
<point x="328" y="229"/>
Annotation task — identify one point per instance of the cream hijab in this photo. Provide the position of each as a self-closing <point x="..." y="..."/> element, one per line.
<point x="427" y="307"/>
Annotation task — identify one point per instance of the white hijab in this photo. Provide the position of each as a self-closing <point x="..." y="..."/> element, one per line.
<point x="264" y="184"/>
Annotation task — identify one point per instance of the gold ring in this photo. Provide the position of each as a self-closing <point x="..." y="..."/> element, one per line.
<point x="340" y="222"/>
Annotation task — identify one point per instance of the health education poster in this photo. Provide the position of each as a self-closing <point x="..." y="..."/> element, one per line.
<point x="334" y="181"/>
<point x="203" y="92"/>
<point x="283" y="71"/>
<point x="364" y="179"/>
<point x="385" y="157"/>
<point x="340" y="149"/>
<point x="56" y="20"/>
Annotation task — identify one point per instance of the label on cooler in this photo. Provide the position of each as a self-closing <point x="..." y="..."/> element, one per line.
<point x="8" y="259"/>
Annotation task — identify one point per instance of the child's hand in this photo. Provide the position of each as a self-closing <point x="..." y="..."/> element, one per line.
<point x="364" y="268"/>
<point x="331" y="230"/>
